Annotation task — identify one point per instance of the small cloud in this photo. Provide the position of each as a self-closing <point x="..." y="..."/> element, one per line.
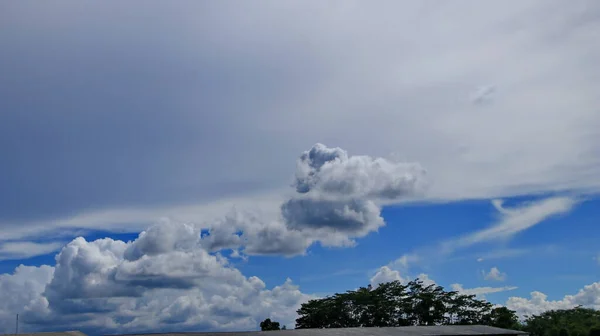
<point x="483" y="95"/>
<point x="480" y="292"/>
<point x="385" y="274"/>
<point x="494" y="274"/>
<point x="405" y="261"/>
<point x="235" y="253"/>
<point x="480" y="259"/>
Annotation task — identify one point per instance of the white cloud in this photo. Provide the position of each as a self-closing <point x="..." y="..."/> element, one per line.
<point x="21" y="290"/>
<point x="515" y="220"/>
<point x="330" y="171"/>
<point x="163" y="279"/>
<point x="385" y="274"/>
<point x="426" y="279"/>
<point x="510" y="222"/>
<point x="494" y="274"/>
<point x="405" y="261"/>
<point x="588" y="296"/>
<point x="23" y="249"/>
<point x="480" y="292"/>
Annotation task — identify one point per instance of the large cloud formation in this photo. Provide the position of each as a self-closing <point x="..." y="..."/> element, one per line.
<point x="335" y="201"/>
<point x="163" y="280"/>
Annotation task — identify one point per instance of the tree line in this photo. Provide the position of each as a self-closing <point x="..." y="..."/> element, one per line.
<point x="394" y="304"/>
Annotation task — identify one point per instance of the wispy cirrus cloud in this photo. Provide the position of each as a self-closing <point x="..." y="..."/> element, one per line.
<point x="15" y="250"/>
<point x="510" y="222"/>
<point x="514" y="220"/>
<point x="480" y="292"/>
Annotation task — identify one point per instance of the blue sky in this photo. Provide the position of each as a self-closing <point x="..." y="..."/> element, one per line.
<point x="203" y="166"/>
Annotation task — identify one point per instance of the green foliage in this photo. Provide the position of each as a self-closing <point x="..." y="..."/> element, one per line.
<point x="503" y="317"/>
<point x="570" y="322"/>
<point x="267" y="324"/>
<point x="394" y="304"/>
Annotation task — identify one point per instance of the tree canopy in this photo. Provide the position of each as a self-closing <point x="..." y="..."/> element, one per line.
<point x="568" y="322"/>
<point x="415" y="303"/>
<point x="267" y="324"/>
<point x="396" y="304"/>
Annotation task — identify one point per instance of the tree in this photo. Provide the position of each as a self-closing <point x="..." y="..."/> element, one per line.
<point x="395" y="304"/>
<point x="284" y="327"/>
<point x="572" y="322"/>
<point x="503" y="317"/>
<point x="267" y="324"/>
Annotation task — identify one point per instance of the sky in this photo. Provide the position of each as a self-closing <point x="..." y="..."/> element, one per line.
<point x="196" y="166"/>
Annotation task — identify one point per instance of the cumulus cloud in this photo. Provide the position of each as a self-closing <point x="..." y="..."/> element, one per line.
<point x="494" y="274"/>
<point x="148" y="284"/>
<point x="385" y="274"/>
<point x="166" y="236"/>
<point x="588" y="296"/>
<point x="21" y="291"/>
<point x="352" y="216"/>
<point x="334" y="202"/>
<point x="336" y="194"/>
<point x="427" y="281"/>
<point x="331" y="171"/>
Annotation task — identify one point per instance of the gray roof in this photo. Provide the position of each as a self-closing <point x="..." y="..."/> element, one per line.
<point x="470" y="330"/>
